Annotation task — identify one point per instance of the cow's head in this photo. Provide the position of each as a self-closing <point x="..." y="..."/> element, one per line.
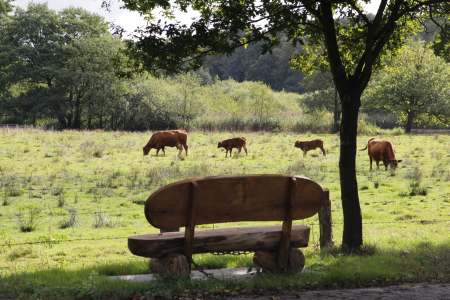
<point x="299" y="144"/>
<point x="394" y="163"/>
<point x="146" y="149"/>
<point x="219" y="145"/>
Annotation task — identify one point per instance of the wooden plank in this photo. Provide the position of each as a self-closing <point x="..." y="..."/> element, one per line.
<point x="232" y="199"/>
<point x="191" y="216"/>
<point x="283" y="248"/>
<point x="264" y="238"/>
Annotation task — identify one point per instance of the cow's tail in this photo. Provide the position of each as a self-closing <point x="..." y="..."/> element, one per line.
<point x="367" y="145"/>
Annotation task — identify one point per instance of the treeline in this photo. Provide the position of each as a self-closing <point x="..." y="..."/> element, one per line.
<point x="249" y="64"/>
<point x="66" y="70"/>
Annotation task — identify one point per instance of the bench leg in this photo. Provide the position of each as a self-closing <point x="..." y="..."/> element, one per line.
<point x="173" y="265"/>
<point x="268" y="261"/>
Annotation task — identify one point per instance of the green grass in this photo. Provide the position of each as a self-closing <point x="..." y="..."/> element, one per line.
<point x="104" y="178"/>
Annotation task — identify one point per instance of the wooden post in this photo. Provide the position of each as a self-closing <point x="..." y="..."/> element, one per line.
<point x="283" y="249"/>
<point x="190" y="226"/>
<point x="326" y="226"/>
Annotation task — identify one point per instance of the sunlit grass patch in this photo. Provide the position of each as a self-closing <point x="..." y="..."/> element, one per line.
<point x="408" y="232"/>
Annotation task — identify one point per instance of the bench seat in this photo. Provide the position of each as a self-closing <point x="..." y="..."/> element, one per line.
<point x="264" y="238"/>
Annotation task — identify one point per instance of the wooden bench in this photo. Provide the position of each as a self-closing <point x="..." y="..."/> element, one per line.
<point x="223" y="199"/>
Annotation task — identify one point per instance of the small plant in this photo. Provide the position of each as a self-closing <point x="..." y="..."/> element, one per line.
<point x="441" y="172"/>
<point x="71" y="221"/>
<point x="90" y="148"/>
<point x="57" y="190"/>
<point x="101" y="219"/>
<point x="28" y="217"/>
<point x="415" y="182"/>
<point x="11" y="185"/>
<point x="61" y="200"/>
<point x="96" y="195"/>
<point x="133" y="177"/>
<point x="5" y="198"/>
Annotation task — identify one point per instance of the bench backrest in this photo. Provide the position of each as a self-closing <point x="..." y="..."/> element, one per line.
<point x="222" y="199"/>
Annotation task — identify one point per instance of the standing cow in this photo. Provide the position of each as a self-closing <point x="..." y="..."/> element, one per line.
<point x="239" y="143"/>
<point x="310" y="145"/>
<point x="381" y="150"/>
<point x="167" y="138"/>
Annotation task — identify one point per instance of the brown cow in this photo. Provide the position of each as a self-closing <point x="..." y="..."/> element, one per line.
<point x="310" y="145"/>
<point x="381" y="150"/>
<point x="239" y="143"/>
<point x="167" y="138"/>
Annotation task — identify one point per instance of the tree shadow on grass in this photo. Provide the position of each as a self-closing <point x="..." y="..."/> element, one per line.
<point x="422" y="262"/>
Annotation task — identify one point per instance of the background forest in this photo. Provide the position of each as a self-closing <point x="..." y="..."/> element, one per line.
<point x="70" y="69"/>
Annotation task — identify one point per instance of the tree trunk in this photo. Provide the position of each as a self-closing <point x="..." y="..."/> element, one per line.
<point x="336" y="114"/>
<point x="409" y="122"/>
<point x="77" y="118"/>
<point x="352" y="235"/>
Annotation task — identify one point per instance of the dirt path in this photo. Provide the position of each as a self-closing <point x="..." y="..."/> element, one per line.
<point x="396" y="292"/>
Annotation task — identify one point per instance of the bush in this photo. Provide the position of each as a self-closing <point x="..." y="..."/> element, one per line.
<point x="366" y="128"/>
<point x="71" y="221"/>
<point x="101" y="219"/>
<point x="316" y="121"/>
<point x="28" y="217"/>
<point x="415" y="187"/>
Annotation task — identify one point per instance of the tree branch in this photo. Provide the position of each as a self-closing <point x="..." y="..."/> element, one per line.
<point x="334" y="58"/>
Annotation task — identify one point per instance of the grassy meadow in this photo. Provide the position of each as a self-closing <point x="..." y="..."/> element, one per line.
<point x="69" y="199"/>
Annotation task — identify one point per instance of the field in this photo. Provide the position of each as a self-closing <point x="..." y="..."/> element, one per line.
<point x="69" y="200"/>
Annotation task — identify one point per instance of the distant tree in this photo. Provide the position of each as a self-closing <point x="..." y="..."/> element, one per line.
<point x="441" y="44"/>
<point x="5" y="7"/>
<point x="263" y="104"/>
<point x="64" y="66"/>
<point x="353" y="49"/>
<point x="321" y="94"/>
<point x="248" y="63"/>
<point x="184" y="102"/>
<point x="413" y="85"/>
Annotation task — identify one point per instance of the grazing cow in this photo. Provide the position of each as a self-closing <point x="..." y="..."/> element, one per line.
<point x="167" y="138"/>
<point x="381" y="150"/>
<point x="229" y="144"/>
<point x="310" y="145"/>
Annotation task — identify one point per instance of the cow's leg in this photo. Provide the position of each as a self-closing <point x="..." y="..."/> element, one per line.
<point x="323" y="151"/>
<point x="164" y="151"/>
<point x="370" y="158"/>
<point x="180" y="149"/>
<point x="304" y="153"/>
<point x="378" y="164"/>
<point x="231" y="150"/>
<point x="226" y="152"/>
<point x="157" y="151"/>
<point x="240" y="149"/>
<point x="185" y="148"/>
<point x="245" y="149"/>
<point x="385" y="163"/>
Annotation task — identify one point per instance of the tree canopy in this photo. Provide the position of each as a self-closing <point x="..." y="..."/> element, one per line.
<point x="413" y="85"/>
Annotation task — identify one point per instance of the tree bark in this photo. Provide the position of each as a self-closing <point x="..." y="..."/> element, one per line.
<point x="409" y="122"/>
<point x="336" y="114"/>
<point x="77" y="118"/>
<point x="352" y="236"/>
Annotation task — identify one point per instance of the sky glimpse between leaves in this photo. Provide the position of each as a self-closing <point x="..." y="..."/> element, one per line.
<point x="129" y="20"/>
